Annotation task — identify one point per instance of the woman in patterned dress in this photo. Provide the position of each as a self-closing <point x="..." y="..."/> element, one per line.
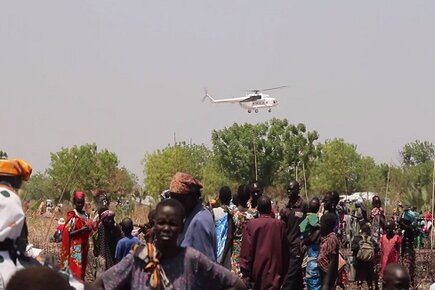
<point x="75" y="238"/>
<point x="241" y="215"/>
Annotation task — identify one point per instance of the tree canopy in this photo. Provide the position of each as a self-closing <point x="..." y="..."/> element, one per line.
<point x="270" y="152"/>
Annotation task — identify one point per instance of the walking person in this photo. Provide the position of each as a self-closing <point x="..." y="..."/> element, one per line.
<point x="377" y="220"/>
<point x="263" y="255"/>
<point x="364" y="248"/>
<point x="408" y="224"/>
<point x="390" y="246"/>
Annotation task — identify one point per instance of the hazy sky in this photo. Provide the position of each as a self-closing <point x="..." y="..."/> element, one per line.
<point x="128" y="74"/>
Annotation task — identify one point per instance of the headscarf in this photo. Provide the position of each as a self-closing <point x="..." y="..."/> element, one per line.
<point x="15" y="167"/>
<point x="78" y="195"/>
<point x="149" y="254"/>
<point x="11" y="215"/>
<point x="182" y="183"/>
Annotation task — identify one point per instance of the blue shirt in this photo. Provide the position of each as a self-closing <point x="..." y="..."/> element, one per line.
<point x="124" y="246"/>
<point x="199" y="232"/>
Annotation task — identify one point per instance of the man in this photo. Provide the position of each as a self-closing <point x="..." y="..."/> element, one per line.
<point x="224" y="227"/>
<point x="264" y="249"/>
<point x="125" y="244"/>
<point x="396" y="278"/>
<point x="292" y="215"/>
<point x="256" y="191"/>
<point x="199" y="229"/>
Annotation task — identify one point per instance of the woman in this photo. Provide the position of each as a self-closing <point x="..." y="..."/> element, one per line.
<point x="241" y="215"/>
<point x="390" y="246"/>
<point x="107" y="236"/>
<point x="164" y="264"/>
<point x="75" y="238"/>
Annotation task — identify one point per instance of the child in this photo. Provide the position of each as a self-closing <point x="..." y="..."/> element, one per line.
<point x="390" y="246"/>
<point x="125" y="244"/>
<point x="309" y="228"/>
<point x="364" y="248"/>
<point x="396" y="277"/>
<point x="328" y="256"/>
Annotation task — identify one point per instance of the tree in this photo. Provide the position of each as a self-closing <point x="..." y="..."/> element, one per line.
<point x="269" y="151"/>
<point x="3" y="155"/>
<point x="40" y="186"/>
<point x="82" y="168"/>
<point x="417" y="152"/>
<point x="161" y="165"/>
<point x="343" y="169"/>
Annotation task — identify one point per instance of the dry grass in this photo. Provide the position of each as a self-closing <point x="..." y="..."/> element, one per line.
<point x="42" y="228"/>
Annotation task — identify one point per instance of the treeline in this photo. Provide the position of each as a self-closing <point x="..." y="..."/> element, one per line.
<point x="272" y="152"/>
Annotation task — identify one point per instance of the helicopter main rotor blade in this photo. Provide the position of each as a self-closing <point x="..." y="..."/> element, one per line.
<point x="269" y="89"/>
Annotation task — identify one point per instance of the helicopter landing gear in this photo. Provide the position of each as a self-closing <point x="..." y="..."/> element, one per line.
<point x="270" y="110"/>
<point x="256" y="111"/>
<point x="249" y="111"/>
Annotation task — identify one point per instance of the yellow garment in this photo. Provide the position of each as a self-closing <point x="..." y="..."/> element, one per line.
<point x="15" y="167"/>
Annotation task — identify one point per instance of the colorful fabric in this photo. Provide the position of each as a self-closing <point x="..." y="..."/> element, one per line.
<point x="240" y="219"/>
<point x="264" y="252"/>
<point x="312" y="270"/>
<point x="188" y="270"/>
<point x="15" y="167"/>
<point x="221" y="233"/>
<point x="376" y="215"/>
<point x="390" y="249"/>
<point x="74" y="251"/>
<point x="310" y="222"/>
<point x="199" y="232"/>
<point x="105" y="241"/>
<point x="182" y="183"/>
<point x="328" y="245"/>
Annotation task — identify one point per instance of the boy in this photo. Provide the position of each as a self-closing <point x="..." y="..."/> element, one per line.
<point x="127" y="242"/>
<point x="328" y="256"/>
<point x="364" y="248"/>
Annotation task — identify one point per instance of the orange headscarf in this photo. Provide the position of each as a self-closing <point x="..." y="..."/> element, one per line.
<point x="15" y="167"/>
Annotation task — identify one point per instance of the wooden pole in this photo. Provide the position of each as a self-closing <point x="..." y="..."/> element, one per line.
<point x="386" y="189"/>
<point x="305" y="180"/>
<point x="255" y="162"/>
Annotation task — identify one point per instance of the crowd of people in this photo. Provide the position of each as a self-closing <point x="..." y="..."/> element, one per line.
<point x="243" y="241"/>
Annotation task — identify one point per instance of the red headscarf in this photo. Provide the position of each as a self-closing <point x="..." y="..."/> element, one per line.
<point x="78" y="195"/>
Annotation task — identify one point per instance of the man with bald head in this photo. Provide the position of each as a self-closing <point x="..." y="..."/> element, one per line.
<point x="263" y="251"/>
<point x="396" y="277"/>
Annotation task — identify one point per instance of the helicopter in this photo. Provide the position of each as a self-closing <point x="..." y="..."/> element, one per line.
<point x="254" y="100"/>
